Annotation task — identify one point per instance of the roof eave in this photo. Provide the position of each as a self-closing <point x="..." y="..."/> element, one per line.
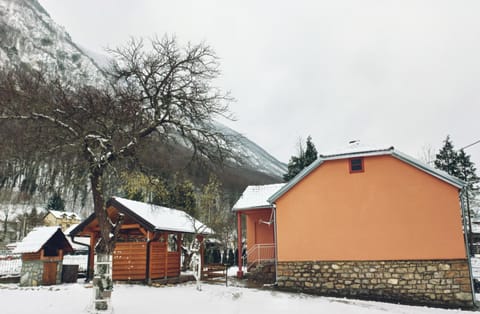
<point x="266" y="206"/>
<point x="305" y="172"/>
<point x="379" y="152"/>
<point x="179" y="230"/>
<point x="389" y="151"/>
<point x="434" y="172"/>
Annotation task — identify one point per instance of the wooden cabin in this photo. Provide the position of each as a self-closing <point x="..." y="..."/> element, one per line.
<point x="365" y="222"/>
<point x="42" y="253"/>
<point x="150" y="239"/>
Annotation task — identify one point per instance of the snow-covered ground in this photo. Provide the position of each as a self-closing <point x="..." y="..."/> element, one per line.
<point x="75" y="298"/>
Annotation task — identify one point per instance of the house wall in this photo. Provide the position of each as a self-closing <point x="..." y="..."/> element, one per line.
<point x="64" y="223"/>
<point x="259" y="232"/>
<point x="50" y="220"/>
<point x="391" y="211"/>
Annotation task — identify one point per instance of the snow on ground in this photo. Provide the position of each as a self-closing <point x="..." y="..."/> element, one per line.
<point x="75" y="298"/>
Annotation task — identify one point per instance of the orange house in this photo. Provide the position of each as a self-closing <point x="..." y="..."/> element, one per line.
<point x="367" y="223"/>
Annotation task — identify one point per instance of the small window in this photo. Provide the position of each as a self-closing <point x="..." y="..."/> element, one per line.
<point x="356" y="165"/>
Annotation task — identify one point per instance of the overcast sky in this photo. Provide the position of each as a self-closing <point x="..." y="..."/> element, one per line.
<point x="401" y="73"/>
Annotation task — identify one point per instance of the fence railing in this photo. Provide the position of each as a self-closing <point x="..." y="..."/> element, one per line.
<point x="261" y="253"/>
<point x="10" y="264"/>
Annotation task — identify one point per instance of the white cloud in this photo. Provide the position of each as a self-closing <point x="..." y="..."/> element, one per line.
<point x="404" y="73"/>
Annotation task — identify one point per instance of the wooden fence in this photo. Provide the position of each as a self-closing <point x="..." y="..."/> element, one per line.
<point x="214" y="273"/>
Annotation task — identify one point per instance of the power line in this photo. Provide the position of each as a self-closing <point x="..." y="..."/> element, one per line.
<point x="470" y="145"/>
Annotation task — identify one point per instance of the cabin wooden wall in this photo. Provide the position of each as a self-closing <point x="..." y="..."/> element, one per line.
<point x="130" y="261"/>
<point x="161" y="259"/>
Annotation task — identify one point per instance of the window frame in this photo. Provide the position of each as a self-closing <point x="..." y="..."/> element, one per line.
<point x="362" y="163"/>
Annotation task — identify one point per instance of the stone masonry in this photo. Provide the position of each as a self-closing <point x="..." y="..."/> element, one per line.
<point x="443" y="283"/>
<point x="264" y="273"/>
<point x="32" y="273"/>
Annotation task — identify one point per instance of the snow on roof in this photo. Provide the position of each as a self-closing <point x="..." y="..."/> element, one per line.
<point x="59" y="214"/>
<point x="256" y="196"/>
<point x="76" y="246"/>
<point x="355" y="147"/>
<point x="34" y="241"/>
<point x="164" y="218"/>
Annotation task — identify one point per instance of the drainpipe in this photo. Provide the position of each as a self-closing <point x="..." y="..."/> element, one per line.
<point x="87" y="277"/>
<point x="467" y="246"/>
<point x="274" y="210"/>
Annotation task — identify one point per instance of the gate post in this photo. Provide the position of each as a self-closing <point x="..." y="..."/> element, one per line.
<point x="239" y="245"/>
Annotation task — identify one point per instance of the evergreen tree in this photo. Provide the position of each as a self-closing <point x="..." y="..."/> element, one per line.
<point x="303" y="160"/>
<point x="458" y="164"/>
<point x="447" y="158"/>
<point x="55" y="202"/>
<point x="311" y="153"/>
<point x="467" y="172"/>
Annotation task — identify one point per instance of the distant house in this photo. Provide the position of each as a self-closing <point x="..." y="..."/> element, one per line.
<point x="363" y="222"/>
<point x="150" y="239"/>
<point x="59" y="218"/>
<point x="42" y="253"/>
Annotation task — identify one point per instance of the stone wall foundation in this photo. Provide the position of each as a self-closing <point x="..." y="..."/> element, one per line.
<point x="443" y="283"/>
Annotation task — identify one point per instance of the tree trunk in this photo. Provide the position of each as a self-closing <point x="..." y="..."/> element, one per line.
<point x="102" y="280"/>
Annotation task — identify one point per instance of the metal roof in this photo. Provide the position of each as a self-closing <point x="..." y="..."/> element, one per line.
<point x="364" y="151"/>
<point x="256" y="196"/>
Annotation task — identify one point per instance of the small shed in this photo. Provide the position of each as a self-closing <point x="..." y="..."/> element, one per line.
<point x="150" y="239"/>
<point x="42" y="253"/>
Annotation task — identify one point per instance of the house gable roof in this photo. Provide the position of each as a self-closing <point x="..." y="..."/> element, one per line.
<point x="256" y="196"/>
<point x="59" y="214"/>
<point x="151" y="217"/>
<point x="163" y="218"/>
<point x="40" y="236"/>
<point x="357" y="150"/>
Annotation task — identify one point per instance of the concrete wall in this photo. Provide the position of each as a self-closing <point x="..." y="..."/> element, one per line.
<point x="391" y="211"/>
<point x="257" y="232"/>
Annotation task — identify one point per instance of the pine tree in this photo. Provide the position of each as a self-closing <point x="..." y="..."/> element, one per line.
<point x="55" y="202"/>
<point x="311" y="153"/>
<point x="447" y="158"/>
<point x="304" y="159"/>
<point x="467" y="173"/>
<point x="458" y="164"/>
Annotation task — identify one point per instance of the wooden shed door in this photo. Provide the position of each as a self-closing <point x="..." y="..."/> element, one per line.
<point x="49" y="273"/>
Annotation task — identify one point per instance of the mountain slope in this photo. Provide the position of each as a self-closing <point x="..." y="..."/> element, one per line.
<point x="29" y="37"/>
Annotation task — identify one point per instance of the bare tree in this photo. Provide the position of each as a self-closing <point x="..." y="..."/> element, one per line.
<point x="160" y="89"/>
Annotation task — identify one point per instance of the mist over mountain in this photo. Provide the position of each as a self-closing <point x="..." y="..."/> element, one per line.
<point x="29" y="37"/>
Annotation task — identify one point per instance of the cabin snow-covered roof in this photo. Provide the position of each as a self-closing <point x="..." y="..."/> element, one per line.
<point x="76" y="246"/>
<point x="59" y="214"/>
<point x="164" y="218"/>
<point x="36" y="239"/>
<point x="356" y="149"/>
<point x="256" y="196"/>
